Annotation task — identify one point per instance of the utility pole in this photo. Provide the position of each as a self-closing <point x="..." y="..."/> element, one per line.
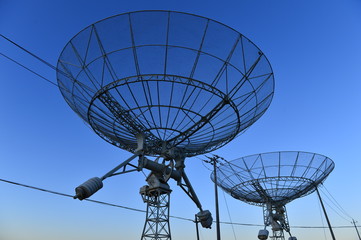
<point x="197" y="230"/>
<point x="213" y="161"/>
<point x="324" y="211"/>
<point x="358" y="234"/>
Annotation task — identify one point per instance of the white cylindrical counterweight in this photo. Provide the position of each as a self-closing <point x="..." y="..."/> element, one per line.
<point x="88" y="188"/>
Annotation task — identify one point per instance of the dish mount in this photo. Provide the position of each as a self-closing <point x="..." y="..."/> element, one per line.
<point x="164" y="86"/>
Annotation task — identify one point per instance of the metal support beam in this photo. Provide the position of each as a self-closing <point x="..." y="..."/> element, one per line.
<point x="123" y="164"/>
<point x="324" y="211"/>
<point x="358" y="234"/>
<point x="188" y="189"/>
<point x="214" y="163"/>
<point x="196" y="222"/>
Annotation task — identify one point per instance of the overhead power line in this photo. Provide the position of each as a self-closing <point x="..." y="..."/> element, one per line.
<point x="332" y="200"/>
<point x="39" y="59"/>
<point x="30" y="70"/>
<point x="143" y="211"/>
<point x="68" y="195"/>
<point x="30" y="53"/>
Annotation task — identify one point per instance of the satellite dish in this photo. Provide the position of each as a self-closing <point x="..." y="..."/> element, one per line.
<point x="164" y="84"/>
<point x="272" y="180"/>
<point x="182" y="80"/>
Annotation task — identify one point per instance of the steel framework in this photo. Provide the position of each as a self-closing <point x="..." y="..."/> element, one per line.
<point x="276" y="217"/>
<point x="157" y="217"/>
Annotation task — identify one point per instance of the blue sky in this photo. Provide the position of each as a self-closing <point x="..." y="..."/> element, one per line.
<point x="315" y="51"/>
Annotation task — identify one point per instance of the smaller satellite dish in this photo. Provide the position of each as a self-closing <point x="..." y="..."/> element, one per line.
<point x="276" y="177"/>
<point x="272" y="180"/>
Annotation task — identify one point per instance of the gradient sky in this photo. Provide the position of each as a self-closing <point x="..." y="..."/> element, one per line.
<point x="314" y="48"/>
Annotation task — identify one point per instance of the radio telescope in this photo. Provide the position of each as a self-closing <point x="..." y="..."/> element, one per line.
<point x="164" y="86"/>
<point x="272" y="180"/>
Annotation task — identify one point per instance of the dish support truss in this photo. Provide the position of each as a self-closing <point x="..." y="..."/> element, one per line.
<point x="276" y="217"/>
<point x="157" y="193"/>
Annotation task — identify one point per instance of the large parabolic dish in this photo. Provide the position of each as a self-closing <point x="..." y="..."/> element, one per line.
<point x="275" y="178"/>
<point x="178" y="79"/>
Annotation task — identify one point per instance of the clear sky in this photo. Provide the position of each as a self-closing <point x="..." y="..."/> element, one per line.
<point x="315" y="50"/>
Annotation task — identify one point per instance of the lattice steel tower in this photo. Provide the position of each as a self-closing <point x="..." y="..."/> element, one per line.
<point x="157" y="196"/>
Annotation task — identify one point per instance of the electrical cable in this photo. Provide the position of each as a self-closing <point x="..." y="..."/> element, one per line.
<point x="329" y="205"/>
<point x="39" y="75"/>
<point x="41" y="60"/>
<point x="143" y="211"/>
<point x="335" y="202"/>
<point x="336" y="211"/>
<point x="32" y="71"/>
<point x="33" y="55"/>
<point x="68" y="195"/>
<point x="229" y="215"/>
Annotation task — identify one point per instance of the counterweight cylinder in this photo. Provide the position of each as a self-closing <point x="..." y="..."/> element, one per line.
<point x="205" y="217"/>
<point x="263" y="234"/>
<point x="88" y="188"/>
